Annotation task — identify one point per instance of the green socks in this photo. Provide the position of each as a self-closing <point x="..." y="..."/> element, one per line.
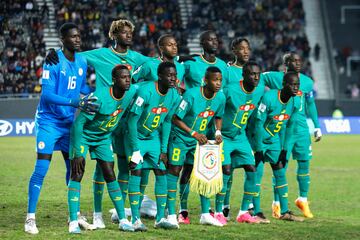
<point x="205" y="204"/>
<point x="98" y="188"/>
<point x="123" y="175"/>
<point x="228" y="190"/>
<point x="282" y="189"/>
<point x="116" y="197"/>
<point x="161" y="196"/>
<point x="219" y="200"/>
<point x="134" y="196"/>
<point x="143" y="183"/>
<point x="73" y="199"/>
<point x="249" y="190"/>
<point x="303" y="178"/>
<point x="172" y="189"/>
<point x="184" y="195"/>
<point x="256" y="198"/>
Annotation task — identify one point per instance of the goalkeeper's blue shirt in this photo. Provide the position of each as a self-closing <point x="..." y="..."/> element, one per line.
<point x="60" y="84"/>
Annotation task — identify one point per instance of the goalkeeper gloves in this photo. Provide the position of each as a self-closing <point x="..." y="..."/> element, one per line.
<point x="87" y="104"/>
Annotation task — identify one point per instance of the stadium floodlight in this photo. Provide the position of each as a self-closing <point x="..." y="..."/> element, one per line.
<point x="347" y="7"/>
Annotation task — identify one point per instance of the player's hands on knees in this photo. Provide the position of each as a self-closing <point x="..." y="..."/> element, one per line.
<point x="259" y="157"/>
<point x="282" y="157"/>
<point x="51" y="57"/>
<point x="136" y="158"/>
<point x="201" y="138"/>
<point x="78" y="166"/>
<point x="164" y="159"/>
<point x="317" y="134"/>
<point x="218" y="137"/>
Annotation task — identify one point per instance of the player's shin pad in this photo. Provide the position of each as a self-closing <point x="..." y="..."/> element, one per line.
<point x="206" y="177"/>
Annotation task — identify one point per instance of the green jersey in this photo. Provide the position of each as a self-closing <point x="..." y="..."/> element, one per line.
<point x="195" y="70"/>
<point x="100" y="125"/>
<point x="149" y="111"/>
<point x="240" y="104"/>
<point x="103" y="60"/>
<point x="233" y="74"/>
<point x="274" y="81"/>
<point x="148" y="71"/>
<point x="272" y="118"/>
<point x="197" y="111"/>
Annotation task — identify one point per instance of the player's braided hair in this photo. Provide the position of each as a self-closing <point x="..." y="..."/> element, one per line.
<point x="116" y="25"/>
<point x="162" y="38"/>
<point x="287" y="57"/>
<point x="237" y="41"/>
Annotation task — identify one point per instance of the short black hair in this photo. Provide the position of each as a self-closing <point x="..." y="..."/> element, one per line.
<point x="211" y="70"/>
<point x="237" y="41"/>
<point x="162" y="39"/>
<point x="64" y="29"/>
<point x="165" y="65"/>
<point x="289" y="75"/>
<point x="249" y="64"/>
<point x="117" y="69"/>
<point x="204" y="34"/>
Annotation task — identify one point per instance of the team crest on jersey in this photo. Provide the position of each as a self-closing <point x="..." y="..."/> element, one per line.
<point x="116" y="112"/>
<point x="81" y="71"/>
<point x="282" y="117"/>
<point x="41" y="145"/>
<point x="206" y="114"/>
<point x="159" y="110"/>
<point x="247" y="107"/>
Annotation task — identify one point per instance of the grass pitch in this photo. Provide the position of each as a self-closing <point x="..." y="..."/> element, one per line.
<point x="334" y="196"/>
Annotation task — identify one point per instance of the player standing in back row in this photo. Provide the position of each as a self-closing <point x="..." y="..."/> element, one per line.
<point x="61" y="87"/>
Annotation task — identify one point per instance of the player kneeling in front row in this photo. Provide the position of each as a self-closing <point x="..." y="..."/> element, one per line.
<point x="149" y="126"/>
<point x="197" y="109"/>
<point x="272" y="135"/>
<point x="92" y="132"/>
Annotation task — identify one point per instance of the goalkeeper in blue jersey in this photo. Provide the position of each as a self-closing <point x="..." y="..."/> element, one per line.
<point x="61" y="88"/>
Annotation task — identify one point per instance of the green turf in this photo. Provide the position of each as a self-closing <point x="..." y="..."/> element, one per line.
<point x="334" y="196"/>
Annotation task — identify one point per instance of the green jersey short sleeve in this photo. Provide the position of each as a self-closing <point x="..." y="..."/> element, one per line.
<point x="240" y="104"/>
<point x="148" y="71"/>
<point x="103" y="60"/>
<point x="195" y="71"/>
<point x="197" y="111"/>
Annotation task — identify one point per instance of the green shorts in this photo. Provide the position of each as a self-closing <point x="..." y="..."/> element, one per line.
<point x="150" y="149"/>
<point x="272" y="152"/>
<point x="237" y="151"/>
<point x="300" y="146"/>
<point x="180" y="153"/>
<point x="118" y="139"/>
<point x="101" y="150"/>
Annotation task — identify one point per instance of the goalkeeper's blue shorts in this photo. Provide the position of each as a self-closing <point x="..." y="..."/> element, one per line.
<point x="52" y="137"/>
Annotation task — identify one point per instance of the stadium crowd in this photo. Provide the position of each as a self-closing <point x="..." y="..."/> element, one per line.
<point x="21" y="47"/>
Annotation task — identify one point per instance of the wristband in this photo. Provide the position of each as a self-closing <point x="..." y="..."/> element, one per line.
<point x="193" y="133"/>
<point x="217" y="133"/>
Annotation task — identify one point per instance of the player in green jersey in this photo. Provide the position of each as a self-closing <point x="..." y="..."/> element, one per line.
<point x="149" y="126"/>
<point x="274" y="112"/>
<point x="301" y="145"/>
<point x="168" y="50"/>
<point x="242" y="98"/>
<point x="200" y="105"/>
<point x="241" y="49"/>
<point x="195" y="70"/>
<point x="92" y="132"/>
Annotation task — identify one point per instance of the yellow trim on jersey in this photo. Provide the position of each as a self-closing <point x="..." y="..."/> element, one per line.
<point x="201" y="56"/>
<point x="202" y="93"/>
<point x="112" y="94"/>
<point x="281" y="186"/>
<point x="114" y="51"/>
<point x="242" y="87"/>
<point x="157" y="88"/>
